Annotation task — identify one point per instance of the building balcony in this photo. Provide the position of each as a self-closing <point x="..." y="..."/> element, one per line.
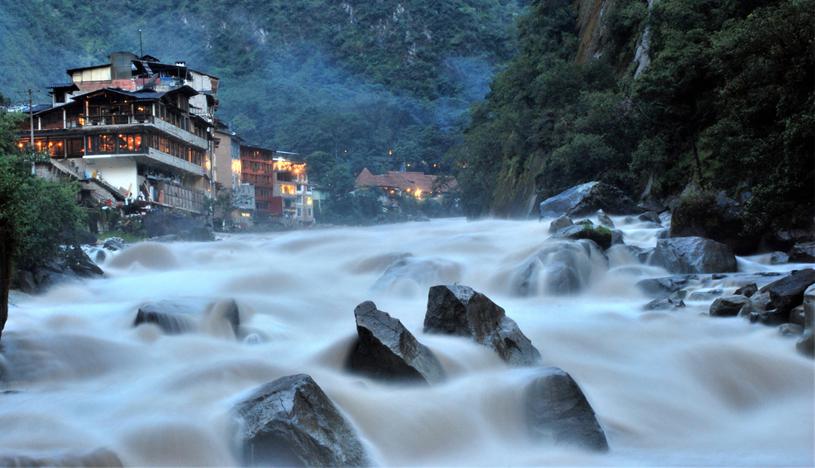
<point x="155" y="158"/>
<point x="122" y="122"/>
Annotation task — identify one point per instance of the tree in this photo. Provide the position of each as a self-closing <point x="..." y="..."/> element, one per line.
<point x="37" y="217"/>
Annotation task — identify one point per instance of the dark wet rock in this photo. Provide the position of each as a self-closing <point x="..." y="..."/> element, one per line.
<point x="674" y="301"/>
<point x="556" y="409"/>
<point x="778" y="258"/>
<point x="693" y="255"/>
<point x="788" y="292"/>
<point x="650" y="216"/>
<point x="291" y="421"/>
<point x="803" y="253"/>
<point x="587" y="198"/>
<point x="747" y="290"/>
<point x="759" y="303"/>
<point x="705" y="294"/>
<point x="96" y="458"/>
<point x="806" y="345"/>
<point x="560" y="223"/>
<point x="728" y="306"/>
<point x="604" y="219"/>
<point x="790" y="329"/>
<point x="385" y="349"/>
<point x="561" y="267"/>
<point x="769" y="317"/>
<point x="664" y="287"/>
<point x="459" y="310"/>
<point x="600" y="235"/>
<point x="71" y="264"/>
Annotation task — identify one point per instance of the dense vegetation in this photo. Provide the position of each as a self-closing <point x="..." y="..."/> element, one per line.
<point x="37" y="217"/>
<point x="727" y="103"/>
<point x="353" y="78"/>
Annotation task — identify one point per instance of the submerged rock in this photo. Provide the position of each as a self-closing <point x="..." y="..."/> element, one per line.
<point x="693" y="255"/>
<point x="604" y="219"/>
<point x="96" y="458"/>
<point x="560" y="223"/>
<point x="806" y="345"/>
<point x="728" y="306"/>
<point x="587" y="198"/>
<point x="385" y="349"/>
<point x="413" y="273"/>
<point x="556" y="409"/>
<point x="602" y="236"/>
<point x="560" y="267"/>
<point x="459" y="310"/>
<point x="291" y="421"/>
<point x="747" y="290"/>
<point x="182" y="316"/>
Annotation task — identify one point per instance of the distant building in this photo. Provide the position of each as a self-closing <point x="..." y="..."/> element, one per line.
<point x="281" y="185"/>
<point x="138" y="126"/>
<point x="227" y="175"/>
<point x="415" y="184"/>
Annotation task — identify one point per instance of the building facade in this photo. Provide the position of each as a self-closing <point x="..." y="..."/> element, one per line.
<point x="281" y="185"/>
<point x="133" y="126"/>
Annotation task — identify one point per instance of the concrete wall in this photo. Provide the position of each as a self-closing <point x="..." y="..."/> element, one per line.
<point x="223" y="160"/>
<point x="92" y="74"/>
<point x="118" y="172"/>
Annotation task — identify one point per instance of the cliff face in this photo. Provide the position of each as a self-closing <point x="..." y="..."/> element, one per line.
<point x="591" y="27"/>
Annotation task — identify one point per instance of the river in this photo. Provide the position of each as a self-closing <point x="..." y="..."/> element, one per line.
<point x="669" y="387"/>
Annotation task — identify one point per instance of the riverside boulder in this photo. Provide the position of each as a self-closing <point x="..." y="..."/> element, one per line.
<point x="728" y="306"/>
<point x="586" y="199"/>
<point x="291" y="421"/>
<point x="460" y="310"/>
<point x="385" y="349"/>
<point x="788" y="292"/>
<point x="556" y="408"/>
<point x="693" y="255"/>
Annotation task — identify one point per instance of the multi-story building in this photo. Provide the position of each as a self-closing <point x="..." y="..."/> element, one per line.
<point x="227" y="174"/>
<point x="281" y="185"/>
<point x="136" y="125"/>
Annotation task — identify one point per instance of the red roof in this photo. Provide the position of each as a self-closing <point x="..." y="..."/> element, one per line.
<point x="402" y="181"/>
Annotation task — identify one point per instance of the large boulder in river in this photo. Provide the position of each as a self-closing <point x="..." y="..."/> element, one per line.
<point x="712" y="216"/>
<point x="728" y="306"/>
<point x="459" y="310"/>
<point x="587" y="198"/>
<point x="788" y="291"/>
<point x="385" y="349"/>
<point x="693" y="255"/>
<point x="556" y="409"/>
<point x="803" y="253"/>
<point x="291" y="422"/>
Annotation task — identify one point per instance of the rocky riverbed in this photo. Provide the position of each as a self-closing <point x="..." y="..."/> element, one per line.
<point x="590" y="340"/>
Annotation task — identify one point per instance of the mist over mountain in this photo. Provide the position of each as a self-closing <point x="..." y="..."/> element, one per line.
<point x="353" y="78"/>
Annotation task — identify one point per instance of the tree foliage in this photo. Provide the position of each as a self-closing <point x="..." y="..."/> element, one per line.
<point x="727" y="102"/>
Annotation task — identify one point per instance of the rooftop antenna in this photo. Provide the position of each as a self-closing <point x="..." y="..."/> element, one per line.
<point x="141" y="49"/>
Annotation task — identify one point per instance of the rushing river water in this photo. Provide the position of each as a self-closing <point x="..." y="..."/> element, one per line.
<point x="669" y="387"/>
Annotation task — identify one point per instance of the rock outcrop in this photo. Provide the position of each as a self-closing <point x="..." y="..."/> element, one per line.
<point x="291" y="421"/>
<point x="585" y="199"/>
<point x="385" y="349"/>
<point x="788" y="291"/>
<point x="459" y="310"/>
<point x="693" y="255"/>
<point x="556" y="409"/>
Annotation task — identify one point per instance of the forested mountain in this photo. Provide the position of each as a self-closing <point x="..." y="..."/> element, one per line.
<point x="651" y="96"/>
<point x="352" y="78"/>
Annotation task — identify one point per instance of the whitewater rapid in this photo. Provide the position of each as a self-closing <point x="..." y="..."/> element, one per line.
<point x="669" y="387"/>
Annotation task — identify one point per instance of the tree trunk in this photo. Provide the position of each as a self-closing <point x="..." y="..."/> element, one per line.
<point x="5" y="275"/>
